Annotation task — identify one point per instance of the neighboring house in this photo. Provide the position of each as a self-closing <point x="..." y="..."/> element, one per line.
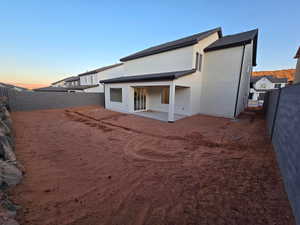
<point x="62" y="83"/>
<point x="297" y="73"/>
<point x="72" y="82"/>
<point x="94" y="76"/>
<point x="287" y="73"/>
<point x="13" y="87"/>
<point x="205" y="73"/>
<point x="260" y="85"/>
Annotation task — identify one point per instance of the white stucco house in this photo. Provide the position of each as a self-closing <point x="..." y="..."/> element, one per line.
<point x="206" y="73"/>
<point x="259" y="85"/>
<point x="93" y="77"/>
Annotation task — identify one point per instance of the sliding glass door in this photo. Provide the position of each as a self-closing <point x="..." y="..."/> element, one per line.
<point x="140" y="99"/>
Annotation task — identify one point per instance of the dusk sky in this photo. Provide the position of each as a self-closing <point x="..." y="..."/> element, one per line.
<point x="44" y="41"/>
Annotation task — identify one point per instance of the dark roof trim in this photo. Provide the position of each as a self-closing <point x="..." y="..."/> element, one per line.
<point x="51" y="89"/>
<point x="82" y="87"/>
<point x="297" y="54"/>
<point x="100" y="69"/>
<point x="150" y="77"/>
<point x="56" y="82"/>
<point x="235" y="40"/>
<point x="72" y="79"/>
<point x="172" y="45"/>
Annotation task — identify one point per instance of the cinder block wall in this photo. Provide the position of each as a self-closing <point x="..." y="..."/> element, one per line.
<point x="286" y="140"/>
<point x="25" y="101"/>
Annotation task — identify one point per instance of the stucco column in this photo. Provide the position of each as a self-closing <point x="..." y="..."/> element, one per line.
<point x="171" y="102"/>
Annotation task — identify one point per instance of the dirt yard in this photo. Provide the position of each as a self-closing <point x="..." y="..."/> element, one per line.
<point x="91" y="166"/>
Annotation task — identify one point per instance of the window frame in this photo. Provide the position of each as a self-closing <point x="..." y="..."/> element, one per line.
<point x="276" y="85"/>
<point x="120" y="99"/>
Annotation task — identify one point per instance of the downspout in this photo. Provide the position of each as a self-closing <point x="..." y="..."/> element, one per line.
<point x="239" y="83"/>
<point x="103" y="93"/>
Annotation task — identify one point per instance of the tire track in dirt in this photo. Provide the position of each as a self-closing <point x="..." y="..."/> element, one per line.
<point x="189" y="142"/>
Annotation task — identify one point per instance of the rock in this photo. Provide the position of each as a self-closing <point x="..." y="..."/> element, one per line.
<point x="8" y="150"/>
<point x="10" y="175"/>
<point x="4" y="114"/>
<point x="4" y="129"/>
<point x="8" y="123"/>
<point x="8" y="221"/>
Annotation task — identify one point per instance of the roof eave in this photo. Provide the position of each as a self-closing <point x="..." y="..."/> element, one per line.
<point x="169" y="48"/>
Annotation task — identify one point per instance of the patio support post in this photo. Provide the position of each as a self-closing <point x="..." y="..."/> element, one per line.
<point x="171" y="102"/>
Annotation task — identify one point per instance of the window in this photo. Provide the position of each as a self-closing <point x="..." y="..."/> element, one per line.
<point x="277" y="85"/>
<point x="198" y="61"/>
<point x="116" y="94"/>
<point x="165" y="96"/>
<point x="92" y="79"/>
<point x="250" y="95"/>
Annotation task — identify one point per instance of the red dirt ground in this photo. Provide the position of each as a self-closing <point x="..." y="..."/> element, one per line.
<point x="90" y="166"/>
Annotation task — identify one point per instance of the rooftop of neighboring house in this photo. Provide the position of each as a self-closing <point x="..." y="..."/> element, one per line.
<point x="270" y="78"/>
<point x="12" y="86"/>
<point x="70" y="79"/>
<point x="65" y="89"/>
<point x="65" y="79"/>
<point x="223" y="42"/>
<point x="288" y="73"/>
<point x="100" y="69"/>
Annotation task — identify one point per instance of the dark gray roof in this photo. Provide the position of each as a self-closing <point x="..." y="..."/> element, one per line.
<point x="100" y="69"/>
<point x="273" y="79"/>
<point x="82" y="87"/>
<point x="65" y="89"/>
<point x="183" y="42"/>
<point x="234" y="40"/>
<point x="70" y="79"/>
<point x="51" y="89"/>
<point x="62" y="80"/>
<point x="150" y="77"/>
<point x="13" y="86"/>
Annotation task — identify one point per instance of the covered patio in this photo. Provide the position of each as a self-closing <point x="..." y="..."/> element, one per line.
<point x="155" y="96"/>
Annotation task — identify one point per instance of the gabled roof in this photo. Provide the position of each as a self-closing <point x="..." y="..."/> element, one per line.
<point x="183" y="42"/>
<point x="150" y="77"/>
<point x="82" y="87"/>
<point x="100" y="69"/>
<point x="56" y="82"/>
<point x="270" y="78"/>
<point x="70" y="79"/>
<point x="13" y="86"/>
<point x="297" y="54"/>
<point x="51" y="89"/>
<point x="65" y="89"/>
<point x="234" y="40"/>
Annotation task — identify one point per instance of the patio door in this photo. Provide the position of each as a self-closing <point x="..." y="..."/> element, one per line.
<point x="140" y="99"/>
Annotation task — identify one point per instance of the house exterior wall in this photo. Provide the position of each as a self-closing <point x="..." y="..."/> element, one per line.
<point x="182" y="100"/>
<point x="220" y="81"/>
<point x="195" y="80"/>
<point x="245" y="79"/>
<point x="127" y="104"/>
<point x="175" y="60"/>
<point x="92" y="79"/>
